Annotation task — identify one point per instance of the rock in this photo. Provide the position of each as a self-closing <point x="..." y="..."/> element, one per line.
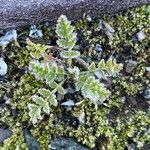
<point x="141" y="36"/>
<point x="98" y="48"/>
<point x="147" y="69"/>
<point x="66" y="144"/>
<point x="131" y="101"/>
<point x="109" y="31"/>
<point x="30" y="141"/>
<point x="132" y="147"/>
<point x="131" y="65"/>
<point x="8" y="37"/>
<point x="146" y="93"/>
<point x="146" y="147"/>
<point x="3" y="67"/>
<point x="14" y="13"/>
<point x="100" y="25"/>
<point x="4" y="134"/>
<point x="69" y="103"/>
<point x="35" y="33"/>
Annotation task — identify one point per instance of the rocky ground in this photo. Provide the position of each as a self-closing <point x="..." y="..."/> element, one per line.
<point x="123" y="122"/>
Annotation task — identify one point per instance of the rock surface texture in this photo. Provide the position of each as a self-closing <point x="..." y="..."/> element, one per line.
<point x="15" y="13"/>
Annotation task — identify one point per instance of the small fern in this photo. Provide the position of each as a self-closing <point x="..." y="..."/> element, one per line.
<point x="47" y="72"/>
<point x="55" y="75"/>
<point x="36" y="50"/>
<point x="42" y="103"/>
<point x="66" y="39"/>
<point x="109" y="68"/>
<point x="94" y="90"/>
<point x="65" y="32"/>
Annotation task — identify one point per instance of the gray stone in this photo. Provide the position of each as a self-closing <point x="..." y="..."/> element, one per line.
<point x="146" y="147"/>
<point x="66" y="144"/>
<point x="30" y="141"/>
<point x="132" y="147"/>
<point x="4" y="134"/>
<point x="141" y="36"/>
<point x="35" y="33"/>
<point x="146" y="93"/>
<point x="3" y="67"/>
<point x="8" y="37"/>
<point x="15" y="13"/>
<point x="131" y="65"/>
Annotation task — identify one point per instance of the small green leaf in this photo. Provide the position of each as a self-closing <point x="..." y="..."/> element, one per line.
<point x="44" y="92"/>
<point x="36" y="50"/>
<point x="94" y="90"/>
<point x="52" y="73"/>
<point x="39" y="70"/>
<point x="75" y="72"/>
<point x="53" y="85"/>
<point x="60" y="90"/>
<point x="52" y="100"/>
<point x="92" y="67"/>
<point x="41" y="103"/>
<point x="101" y="65"/>
<point x="65" y="32"/>
<point x="69" y="54"/>
<point x="80" y="82"/>
<point x="61" y="72"/>
<point x="34" y="113"/>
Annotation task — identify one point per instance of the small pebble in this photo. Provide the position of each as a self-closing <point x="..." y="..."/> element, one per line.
<point x="140" y="36"/>
<point x="131" y="65"/>
<point x="98" y="48"/>
<point x="146" y="93"/>
<point x="100" y="25"/>
<point x="8" y="37"/>
<point x="131" y="147"/>
<point x="68" y="103"/>
<point x="89" y="19"/>
<point x="147" y="69"/>
<point x="35" y="33"/>
<point x="3" y="67"/>
<point x="109" y="31"/>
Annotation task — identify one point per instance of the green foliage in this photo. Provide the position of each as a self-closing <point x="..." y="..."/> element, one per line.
<point x="65" y="32"/>
<point x="15" y="142"/>
<point x="80" y="82"/>
<point x="41" y="104"/>
<point x="75" y="72"/>
<point x="110" y="126"/>
<point x="36" y="50"/>
<point x="94" y="90"/>
<point x="69" y="54"/>
<point x="47" y="72"/>
<point x="109" y="68"/>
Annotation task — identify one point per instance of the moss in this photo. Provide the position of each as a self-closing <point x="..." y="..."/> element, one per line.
<point x="16" y="141"/>
<point x="27" y="86"/>
<point x="112" y="125"/>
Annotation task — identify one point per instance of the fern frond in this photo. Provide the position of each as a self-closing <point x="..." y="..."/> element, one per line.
<point x="65" y="32"/>
<point x="44" y="71"/>
<point x="36" y="50"/>
<point x="42" y="103"/>
<point x="34" y="113"/>
<point x="109" y="68"/>
<point x="94" y="90"/>
<point x="69" y="54"/>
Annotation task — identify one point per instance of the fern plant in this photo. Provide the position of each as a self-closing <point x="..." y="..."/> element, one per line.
<point x="94" y="90"/>
<point x="36" y="50"/>
<point x="55" y="75"/>
<point x="109" y="68"/>
<point x="66" y="39"/>
<point x="65" y="32"/>
<point x="42" y="103"/>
